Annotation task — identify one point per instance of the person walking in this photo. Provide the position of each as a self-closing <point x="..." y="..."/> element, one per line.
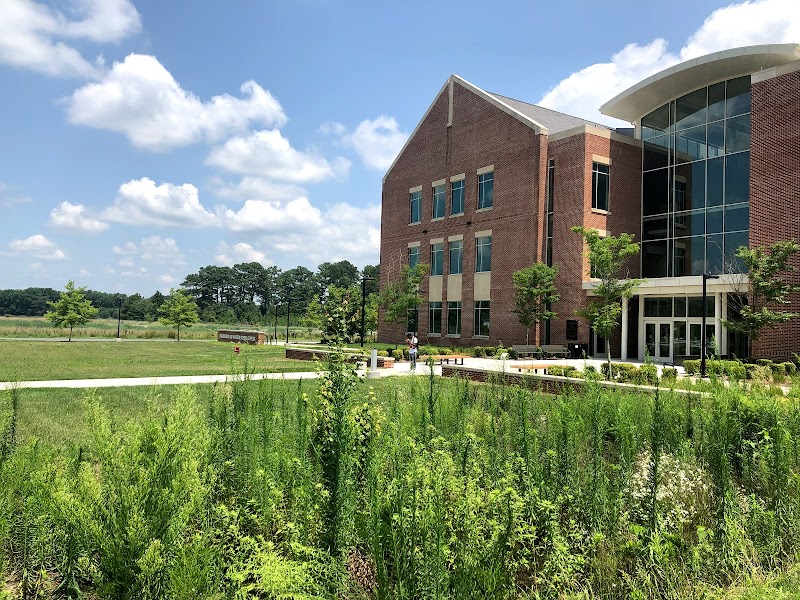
<point x="413" y="343"/>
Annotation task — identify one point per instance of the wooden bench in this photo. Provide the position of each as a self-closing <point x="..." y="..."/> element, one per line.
<point x="527" y="350"/>
<point x="535" y="368"/>
<point x="444" y="358"/>
<point x="554" y="350"/>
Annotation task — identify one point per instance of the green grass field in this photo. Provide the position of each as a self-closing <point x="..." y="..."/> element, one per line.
<point x="25" y="360"/>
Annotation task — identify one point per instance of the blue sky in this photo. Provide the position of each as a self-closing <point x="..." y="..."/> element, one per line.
<point x="144" y="139"/>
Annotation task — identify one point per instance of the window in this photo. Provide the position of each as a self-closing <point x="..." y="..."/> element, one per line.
<point x="482" y="318"/>
<point x="437" y="259"/>
<point x="486" y="190"/>
<point x="457" y="197"/>
<point x="416" y="207"/>
<point x="413" y="256"/>
<point x="600" y="178"/>
<point x="435" y="318"/>
<point x="456" y="257"/>
<point x="548" y="252"/>
<point x="438" y="202"/>
<point x="454" y="318"/>
<point x="483" y="254"/>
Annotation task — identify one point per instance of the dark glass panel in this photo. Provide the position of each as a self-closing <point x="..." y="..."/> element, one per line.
<point x="737" y="134"/>
<point x="664" y="307"/>
<point x="690" y="110"/>
<point x="654" y="259"/>
<point x="733" y="264"/>
<point x="737" y="178"/>
<point x="654" y="228"/>
<point x="690" y="223"/>
<point x="689" y="256"/>
<point x="716" y="101"/>
<point x="655" y="192"/>
<point x="716" y="139"/>
<point x="738" y="96"/>
<point x="690" y="144"/>
<point x="715" y="180"/>
<point x="680" y="308"/>
<point x="714" y="254"/>
<point x="696" y="306"/>
<point x="651" y="307"/>
<point x="656" y="154"/>
<point x="692" y="194"/>
<point x="714" y="221"/>
<point x="737" y="218"/>
<point x="656" y="122"/>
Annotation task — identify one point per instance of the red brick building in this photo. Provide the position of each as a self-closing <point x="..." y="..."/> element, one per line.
<point x="487" y="185"/>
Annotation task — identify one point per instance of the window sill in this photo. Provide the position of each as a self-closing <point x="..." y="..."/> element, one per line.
<point x="434" y="335"/>
<point x="435" y="275"/>
<point x="600" y="211"/>
<point x="489" y="271"/>
<point x="454" y="274"/>
<point x="454" y="335"/>
<point x="437" y="219"/>
<point x="415" y="223"/>
<point x="461" y="214"/>
<point x="480" y="337"/>
<point x="483" y="209"/>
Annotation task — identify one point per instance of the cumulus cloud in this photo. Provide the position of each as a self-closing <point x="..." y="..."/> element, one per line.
<point x="259" y="215"/>
<point x="32" y="34"/>
<point x="157" y="250"/>
<point x="142" y="202"/>
<point x="377" y="142"/>
<point x="255" y="188"/>
<point x="241" y="252"/>
<point x="37" y="246"/>
<point x="73" y="217"/>
<point x="268" y="154"/>
<point x="742" y="24"/>
<point x="140" y="98"/>
<point x="128" y="248"/>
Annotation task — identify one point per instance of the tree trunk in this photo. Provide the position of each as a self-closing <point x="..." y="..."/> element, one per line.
<point x="178" y="338"/>
<point x="608" y="351"/>
<point x="70" y="334"/>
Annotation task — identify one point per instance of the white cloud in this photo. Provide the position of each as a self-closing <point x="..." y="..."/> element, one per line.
<point x="140" y="98"/>
<point x="167" y="279"/>
<point x="240" y="253"/>
<point x="142" y="202"/>
<point x="128" y="248"/>
<point x="37" y="246"/>
<point x="255" y="188"/>
<point x="157" y="250"/>
<point x="268" y="154"/>
<point x="259" y="215"/>
<point x="377" y="142"/>
<point x="72" y="216"/>
<point x="742" y="24"/>
<point x="127" y="262"/>
<point x="31" y="33"/>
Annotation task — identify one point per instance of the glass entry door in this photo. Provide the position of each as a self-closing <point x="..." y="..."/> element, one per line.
<point x="695" y="341"/>
<point x="658" y="340"/>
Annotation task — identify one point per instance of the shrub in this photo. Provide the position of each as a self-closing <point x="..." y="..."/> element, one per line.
<point x="647" y="374"/>
<point x="383" y="353"/>
<point x="398" y="353"/>
<point x="445" y="351"/>
<point x="764" y="362"/>
<point x="761" y="373"/>
<point x="563" y="371"/>
<point x="778" y="372"/>
<point x="692" y="367"/>
<point x="668" y="374"/>
<point x="626" y="373"/>
<point x="478" y="351"/>
<point x="490" y="350"/>
<point x="749" y="370"/>
<point x="513" y="354"/>
<point x="790" y="367"/>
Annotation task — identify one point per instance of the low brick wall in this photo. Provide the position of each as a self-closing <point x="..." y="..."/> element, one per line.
<point x="254" y="338"/>
<point x="384" y="362"/>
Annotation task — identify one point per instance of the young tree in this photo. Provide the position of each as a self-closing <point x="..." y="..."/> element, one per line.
<point x="535" y="290"/>
<point x="72" y="308"/>
<point x="178" y="310"/>
<point x="764" y="288"/>
<point x="607" y="261"/>
<point x="402" y="294"/>
<point x="337" y="314"/>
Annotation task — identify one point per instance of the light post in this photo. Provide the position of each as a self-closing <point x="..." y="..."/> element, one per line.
<point x="706" y="277"/>
<point x="288" y="312"/>
<point x="364" y="280"/>
<point x="119" y="313"/>
<point x="275" y="335"/>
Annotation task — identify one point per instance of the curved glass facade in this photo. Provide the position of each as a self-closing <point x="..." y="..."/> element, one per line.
<point x="696" y="179"/>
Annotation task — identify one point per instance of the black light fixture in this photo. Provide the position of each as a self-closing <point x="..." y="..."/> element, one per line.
<point x="364" y="280"/>
<point x="119" y="313"/>
<point x="706" y="277"/>
<point x="275" y="336"/>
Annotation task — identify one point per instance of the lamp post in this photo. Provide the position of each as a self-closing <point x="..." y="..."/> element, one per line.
<point x="275" y="336"/>
<point x="364" y="280"/>
<point x="288" y="312"/>
<point x="119" y="313"/>
<point x="706" y="277"/>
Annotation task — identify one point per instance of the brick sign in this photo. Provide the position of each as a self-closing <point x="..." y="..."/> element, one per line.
<point x="241" y="337"/>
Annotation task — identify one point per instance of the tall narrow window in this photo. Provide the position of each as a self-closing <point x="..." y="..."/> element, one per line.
<point x="486" y="190"/>
<point x="600" y="186"/>
<point x="457" y="197"/>
<point x="482" y="318"/>
<point x="438" y="202"/>
<point x="548" y="251"/>
<point x="437" y="259"/>
<point x="413" y="256"/>
<point x="483" y="254"/>
<point x="454" y="318"/>
<point x="435" y="318"/>
<point x="416" y="207"/>
<point x="456" y="257"/>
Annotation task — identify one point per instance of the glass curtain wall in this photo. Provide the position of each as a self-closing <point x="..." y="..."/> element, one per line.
<point x="695" y="183"/>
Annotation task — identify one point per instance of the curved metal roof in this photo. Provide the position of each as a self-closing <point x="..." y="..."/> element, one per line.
<point x="680" y="79"/>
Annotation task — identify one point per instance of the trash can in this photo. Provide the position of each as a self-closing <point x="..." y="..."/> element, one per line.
<point x="578" y="350"/>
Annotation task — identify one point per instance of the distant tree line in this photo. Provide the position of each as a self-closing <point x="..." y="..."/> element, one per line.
<point x="243" y="293"/>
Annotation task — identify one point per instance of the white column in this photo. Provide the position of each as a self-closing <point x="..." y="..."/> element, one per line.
<point x="723" y="344"/>
<point x="718" y="319"/>
<point x="640" y="352"/>
<point x="623" y="350"/>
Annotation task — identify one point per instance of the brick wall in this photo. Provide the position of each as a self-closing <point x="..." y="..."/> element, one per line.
<point x="775" y="188"/>
<point x="480" y="135"/>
